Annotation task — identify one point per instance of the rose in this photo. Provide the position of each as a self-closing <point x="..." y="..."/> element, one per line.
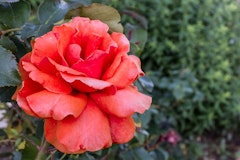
<point x="79" y="79"/>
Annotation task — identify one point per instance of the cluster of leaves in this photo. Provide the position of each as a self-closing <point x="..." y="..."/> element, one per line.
<point x="197" y="75"/>
<point x="22" y="21"/>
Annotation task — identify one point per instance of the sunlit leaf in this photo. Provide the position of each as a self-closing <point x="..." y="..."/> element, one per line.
<point x="8" y="69"/>
<point x="22" y="145"/>
<point x="14" y="14"/>
<point x="106" y="14"/>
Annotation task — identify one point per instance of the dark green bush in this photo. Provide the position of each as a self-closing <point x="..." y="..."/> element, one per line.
<point x="192" y="55"/>
<point x="196" y="55"/>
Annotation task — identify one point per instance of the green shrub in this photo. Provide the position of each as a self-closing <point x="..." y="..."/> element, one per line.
<point x="192" y="55"/>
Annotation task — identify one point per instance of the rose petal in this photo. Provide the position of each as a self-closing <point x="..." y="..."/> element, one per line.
<point x="73" y="54"/>
<point x="86" y="27"/>
<point x="92" y="66"/>
<point x="64" y="34"/>
<point x="89" y="36"/>
<point x="46" y="46"/>
<point x="122" y="129"/>
<point x="137" y="62"/>
<point x="93" y="44"/>
<point x="47" y="67"/>
<point x="123" y="103"/>
<point x="108" y="44"/>
<point x="50" y="127"/>
<point x="58" y="68"/>
<point x="123" y="72"/>
<point x="57" y="106"/>
<point x="87" y="84"/>
<point x="122" y="42"/>
<point x="28" y="87"/>
<point x="25" y="58"/>
<point x="51" y="83"/>
<point x="90" y="131"/>
<point x="120" y="47"/>
<point x="111" y="65"/>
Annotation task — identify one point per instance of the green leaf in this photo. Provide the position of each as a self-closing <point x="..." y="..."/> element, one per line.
<point x="29" y="30"/>
<point x="32" y="30"/>
<point x="146" y="83"/>
<point x="8" y="44"/>
<point x="29" y="151"/>
<point x="76" y="3"/>
<point x="6" y="93"/>
<point x="161" y="154"/>
<point x="138" y="17"/>
<point x="178" y="92"/>
<point x="14" y="14"/>
<point x="8" y="69"/>
<point x="86" y="156"/>
<point x="142" y="154"/>
<point x="137" y="36"/>
<point x="104" y="13"/>
<point x="52" y="11"/>
<point x="136" y="154"/>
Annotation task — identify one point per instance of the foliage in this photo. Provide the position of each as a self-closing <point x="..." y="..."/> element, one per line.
<point x="192" y="55"/>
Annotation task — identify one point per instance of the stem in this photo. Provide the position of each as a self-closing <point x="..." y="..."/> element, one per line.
<point x="63" y="156"/>
<point x="9" y="30"/>
<point x="51" y="155"/>
<point x="43" y="149"/>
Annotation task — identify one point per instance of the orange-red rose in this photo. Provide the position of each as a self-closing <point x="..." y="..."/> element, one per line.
<point x="79" y="79"/>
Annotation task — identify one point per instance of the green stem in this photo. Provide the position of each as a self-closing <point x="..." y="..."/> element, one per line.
<point x="51" y="154"/>
<point x="63" y="156"/>
<point x="42" y="150"/>
<point x="9" y="30"/>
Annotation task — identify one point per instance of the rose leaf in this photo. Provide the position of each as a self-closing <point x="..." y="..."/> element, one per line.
<point x="14" y="14"/>
<point x="8" y="69"/>
<point x="50" y="12"/>
<point x="106" y="14"/>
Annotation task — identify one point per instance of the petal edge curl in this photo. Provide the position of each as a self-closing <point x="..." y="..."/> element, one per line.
<point x="123" y="103"/>
<point x="57" y="106"/>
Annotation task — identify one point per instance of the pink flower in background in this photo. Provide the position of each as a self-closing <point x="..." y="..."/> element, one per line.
<point x="171" y="137"/>
<point x="79" y="79"/>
